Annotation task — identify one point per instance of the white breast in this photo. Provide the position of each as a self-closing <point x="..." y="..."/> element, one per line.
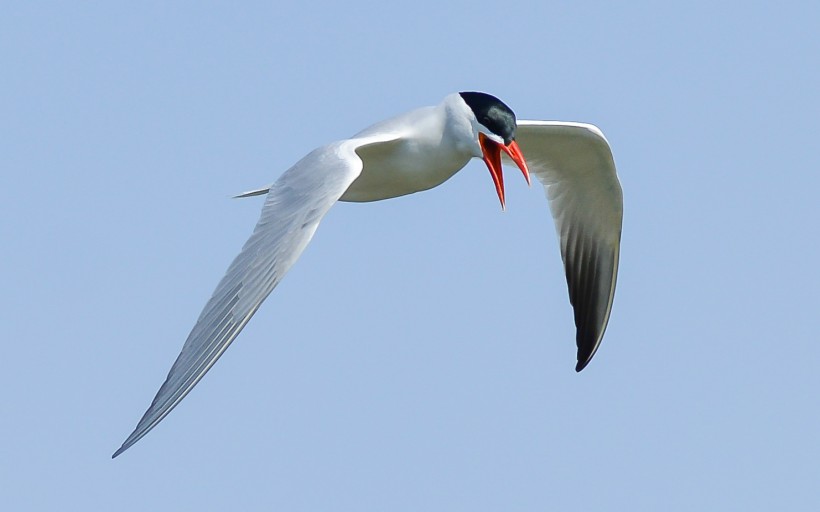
<point x="427" y="153"/>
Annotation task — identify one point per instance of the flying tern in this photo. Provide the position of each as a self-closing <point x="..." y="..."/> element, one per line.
<point x="409" y="153"/>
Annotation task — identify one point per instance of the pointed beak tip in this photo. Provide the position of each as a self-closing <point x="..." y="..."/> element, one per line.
<point x="517" y="156"/>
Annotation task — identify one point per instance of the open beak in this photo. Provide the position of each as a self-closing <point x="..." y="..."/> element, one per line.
<point x="492" y="157"/>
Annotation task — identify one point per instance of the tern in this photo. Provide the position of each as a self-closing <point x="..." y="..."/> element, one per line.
<point x="409" y="153"/>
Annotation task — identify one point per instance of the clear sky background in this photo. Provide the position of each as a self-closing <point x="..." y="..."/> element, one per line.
<point x="420" y="355"/>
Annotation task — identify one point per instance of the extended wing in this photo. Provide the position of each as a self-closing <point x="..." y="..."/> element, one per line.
<point x="295" y="204"/>
<point x="574" y="163"/>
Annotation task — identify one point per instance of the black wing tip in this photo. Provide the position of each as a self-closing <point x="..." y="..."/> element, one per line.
<point x="585" y="354"/>
<point x="582" y="363"/>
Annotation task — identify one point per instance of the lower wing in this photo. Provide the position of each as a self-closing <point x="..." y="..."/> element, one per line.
<point x="294" y="206"/>
<point x="574" y="163"/>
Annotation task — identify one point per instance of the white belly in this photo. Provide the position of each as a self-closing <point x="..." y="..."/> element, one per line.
<point x="399" y="168"/>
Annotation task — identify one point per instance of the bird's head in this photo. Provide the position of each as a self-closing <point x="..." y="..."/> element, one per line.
<point x="494" y="131"/>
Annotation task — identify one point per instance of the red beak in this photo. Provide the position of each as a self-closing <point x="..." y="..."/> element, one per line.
<point x="492" y="157"/>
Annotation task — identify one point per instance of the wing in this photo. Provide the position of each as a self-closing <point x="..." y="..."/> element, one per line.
<point x="294" y="206"/>
<point x="574" y="163"/>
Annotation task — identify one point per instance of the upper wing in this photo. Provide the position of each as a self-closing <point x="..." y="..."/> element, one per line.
<point x="574" y="163"/>
<point x="294" y="206"/>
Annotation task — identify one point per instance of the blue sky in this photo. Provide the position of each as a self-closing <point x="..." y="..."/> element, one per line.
<point x="420" y="355"/>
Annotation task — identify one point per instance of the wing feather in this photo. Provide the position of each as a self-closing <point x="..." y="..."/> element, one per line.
<point x="574" y="163"/>
<point x="294" y="206"/>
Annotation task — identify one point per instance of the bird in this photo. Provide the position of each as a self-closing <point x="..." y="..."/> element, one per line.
<point x="405" y="154"/>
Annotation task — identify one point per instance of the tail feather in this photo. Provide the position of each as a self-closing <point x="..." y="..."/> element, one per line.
<point x="251" y="193"/>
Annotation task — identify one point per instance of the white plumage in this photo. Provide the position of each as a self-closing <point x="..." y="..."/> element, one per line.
<point x="410" y="153"/>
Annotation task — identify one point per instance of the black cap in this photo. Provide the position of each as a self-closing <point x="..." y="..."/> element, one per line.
<point x="492" y="113"/>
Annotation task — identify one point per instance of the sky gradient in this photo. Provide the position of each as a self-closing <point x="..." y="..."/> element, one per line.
<point x="420" y="355"/>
